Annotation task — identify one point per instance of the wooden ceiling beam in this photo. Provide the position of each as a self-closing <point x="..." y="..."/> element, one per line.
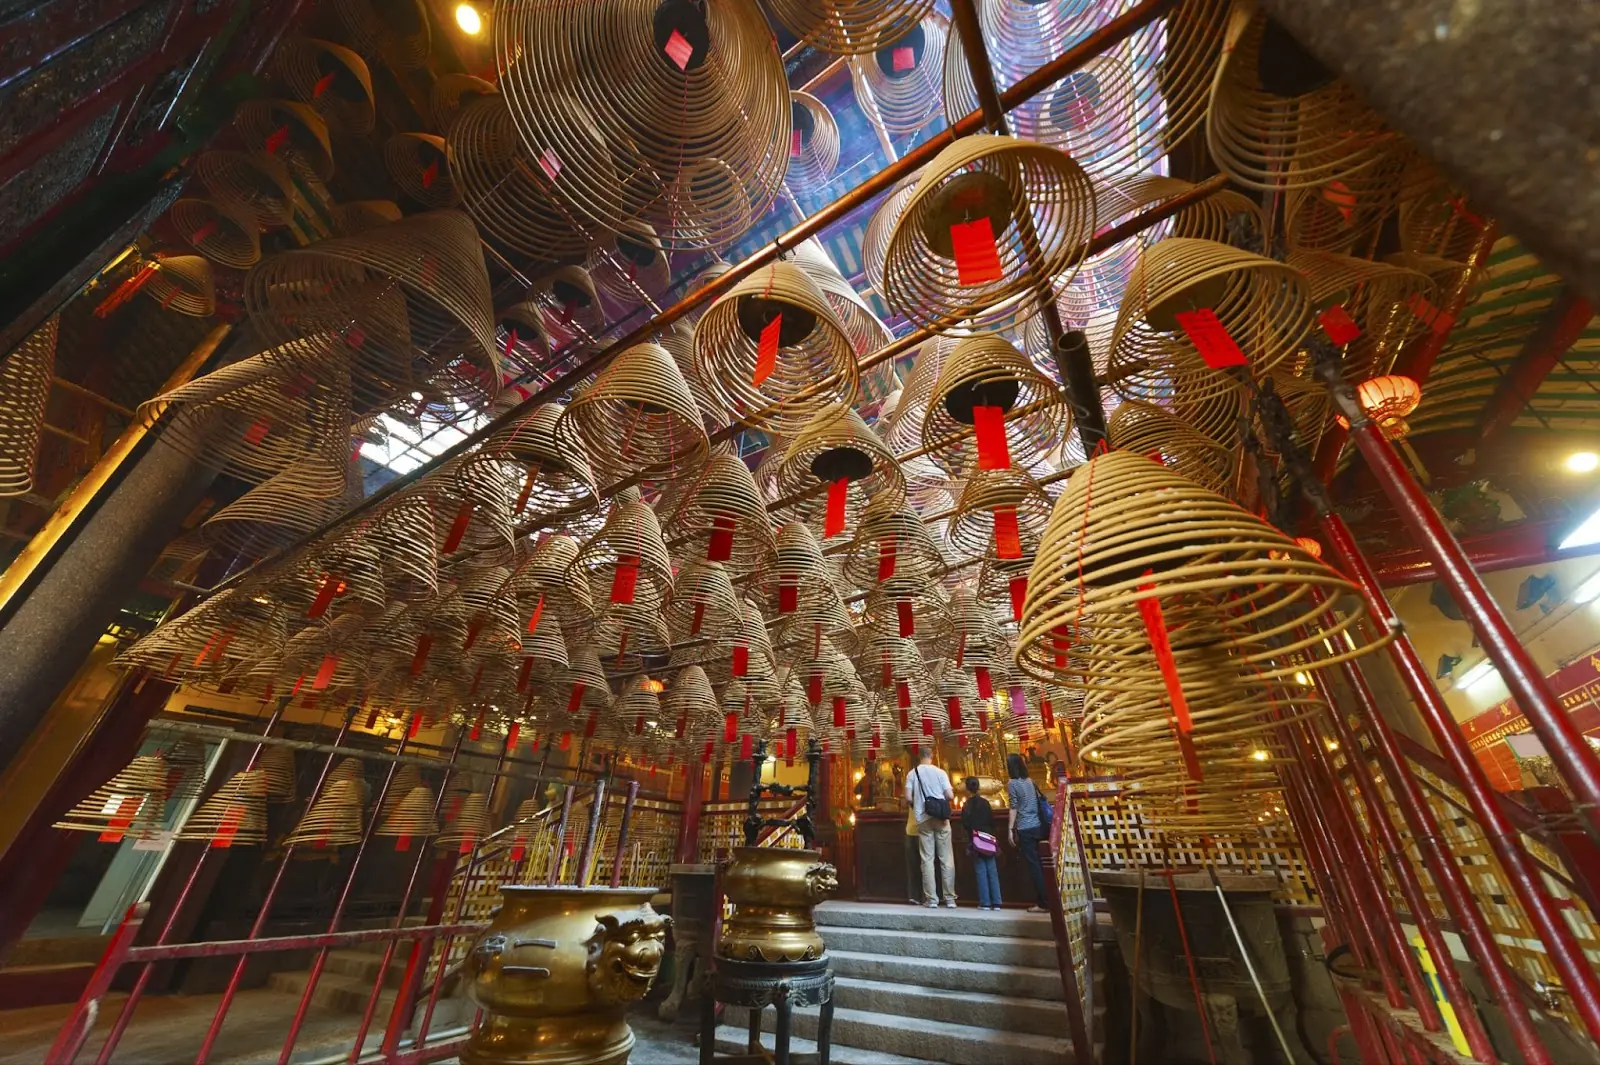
<point x="1559" y="328"/>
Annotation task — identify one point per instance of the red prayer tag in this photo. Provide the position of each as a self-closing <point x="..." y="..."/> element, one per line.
<point x="323" y="84"/>
<point x="257" y="432"/>
<point x="467" y="845"/>
<point x="746" y="748"/>
<point x="788" y="598"/>
<point x="886" y="558"/>
<point x="575" y="699"/>
<point x="477" y="728"/>
<point x="730" y="727"/>
<point x="229" y="827"/>
<point x="527" y="489"/>
<point x="550" y="163"/>
<point x="907" y="617"/>
<point x="522" y="674"/>
<point x="319" y="605"/>
<point x="538" y="612"/>
<point x="1007" y="537"/>
<point x="276" y="139"/>
<point x="625" y="579"/>
<point x="1047" y="714"/>
<point x="402" y="843"/>
<point x="1210" y="338"/>
<point x="767" y="351"/>
<point x="794" y="144"/>
<point x="985" y="685"/>
<point x="1343" y="200"/>
<point x="566" y="740"/>
<point x="983" y="721"/>
<point x="459" y="528"/>
<point x="927" y="726"/>
<point x="952" y="706"/>
<point x="989" y="426"/>
<point x="430" y="174"/>
<point x="325" y="672"/>
<point x="977" y="255"/>
<point x="1019" y="595"/>
<point x="705" y="753"/>
<point x="720" y="547"/>
<point x="420" y="659"/>
<point x="903" y="58"/>
<point x="1155" y="625"/>
<point x="833" y="520"/>
<point x="905" y="717"/>
<point x="511" y="736"/>
<point x="699" y="617"/>
<point x="814" y="689"/>
<point x="1338" y="324"/>
<point x="679" y="50"/>
<point x="416" y="725"/>
<point x="741" y="662"/>
<point x="902" y="695"/>
<point x="203" y="232"/>
<point x="1431" y="316"/>
<point x="789" y="741"/>
<point x="838" y="711"/>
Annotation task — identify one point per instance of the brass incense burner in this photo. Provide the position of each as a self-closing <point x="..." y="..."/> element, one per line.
<point x="556" y="971"/>
<point x="773" y="890"/>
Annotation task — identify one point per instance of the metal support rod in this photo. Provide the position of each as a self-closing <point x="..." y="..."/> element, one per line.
<point x="597" y="810"/>
<point x="622" y="832"/>
<point x="1250" y="966"/>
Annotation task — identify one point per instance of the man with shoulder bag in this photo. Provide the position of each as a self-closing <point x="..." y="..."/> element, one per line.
<point x="931" y="798"/>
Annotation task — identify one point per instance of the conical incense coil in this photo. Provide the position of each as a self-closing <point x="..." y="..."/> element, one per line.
<point x="678" y="341"/>
<point x="410" y="817"/>
<point x="358" y="216"/>
<point x="1435" y="218"/>
<point x="505" y="186"/>
<point x="836" y="452"/>
<point x="419" y="163"/>
<point x="476" y="499"/>
<point x="544" y="646"/>
<point x="25" y="379"/>
<point x="569" y="293"/>
<point x="1015" y="413"/>
<point x="451" y="93"/>
<point x="235" y="815"/>
<point x="289" y="130"/>
<point x="183" y="284"/>
<point x="639" y="703"/>
<point x="903" y="75"/>
<point x="130" y="804"/>
<point x="548" y="576"/>
<point x="1348" y="213"/>
<point x="341" y="573"/>
<point x="677" y="116"/>
<point x="553" y="474"/>
<point x="251" y="184"/>
<point x="325" y="657"/>
<point x="899" y="425"/>
<point x="1129" y="536"/>
<point x="405" y="531"/>
<point x="746" y="653"/>
<point x="849" y="27"/>
<point x="703" y="604"/>
<point x="638" y="418"/>
<point x="1273" y="103"/>
<point x="923" y="616"/>
<point x="222" y="233"/>
<point x="278" y="512"/>
<point x="773" y="352"/>
<point x="891" y="544"/>
<point x="1378" y="299"/>
<point x="396" y="32"/>
<point x="875" y="239"/>
<point x="407" y="777"/>
<point x="277" y="765"/>
<point x="991" y="221"/>
<point x="625" y="636"/>
<point x="522" y="337"/>
<point x="1194" y="308"/>
<point x="469" y="825"/>
<point x="1159" y="434"/>
<point x="867" y="332"/>
<point x="821" y="619"/>
<point x="887" y="660"/>
<point x="334" y="820"/>
<point x="331" y="78"/>
<point x="813" y="145"/>
<point x="630" y="265"/>
<point x="487" y="602"/>
<point x="1000" y="514"/>
<point x="793" y="572"/>
<point x="973" y="627"/>
<point x="722" y="516"/>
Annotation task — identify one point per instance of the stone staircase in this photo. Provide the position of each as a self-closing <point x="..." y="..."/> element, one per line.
<point x="347" y="978"/>
<point x="962" y="986"/>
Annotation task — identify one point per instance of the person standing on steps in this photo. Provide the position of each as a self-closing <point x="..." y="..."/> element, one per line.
<point x="977" y="817"/>
<point x="931" y="797"/>
<point x="1026" y="827"/>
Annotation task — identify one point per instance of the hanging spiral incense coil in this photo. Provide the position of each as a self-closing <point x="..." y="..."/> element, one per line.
<point x="837" y="450"/>
<point x="887" y="660"/>
<point x="1127" y="529"/>
<point x="570" y="294"/>
<point x="903" y="75"/>
<point x="356" y="216"/>
<point x="1345" y="214"/>
<point x="330" y="78"/>
<point x="552" y="475"/>
<point x="1038" y="206"/>
<point x="223" y="234"/>
<point x="1263" y="305"/>
<point x="419" y="164"/>
<point x="544" y="644"/>
<point x="746" y="652"/>
<point x="875" y="239"/>
<point x="1377" y="297"/>
<point x="1156" y="433"/>
<point x="25" y="379"/>
<point x="451" y="93"/>
<point x="703" y="603"/>
<point x="281" y="510"/>
<point x="334" y="820"/>
<point x="409" y="546"/>
<point x="129" y="805"/>
<point x="183" y="284"/>
<point x="289" y="130"/>
<point x="398" y="32"/>
<point x="891" y="544"/>
<point x="252" y="184"/>
<point x="849" y="27"/>
<point x="234" y="816"/>
<point x="548" y="575"/>
<point x="808" y="364"/>
<point x="923" y="616"/>
<point x="411" y="817"/>
<point x="506" y="188"/>
<point x="678" y="342"/>
<point x="821" y="621"/>
<point x="638" y="418"/>
<point x="813" y="144"/>
<point x="723" y="517"/>
<point x="1434" y="218"/>
<point x="277" y="766"/>
<point x="985" y="493"/>
<point x="1278" y="119"/>
<point x="324" y="657"/>
<point x="521" y="337"/>
<point x="987" y="372"/>
<point x="795" y="568"/>
<point x="867" y="332"/>
<point x="676" y="115"/>
<point x="475" y="500"/>
<point x="626" y="562"/>
<point x="630" y="265"/>
<point x="471" y="823"/>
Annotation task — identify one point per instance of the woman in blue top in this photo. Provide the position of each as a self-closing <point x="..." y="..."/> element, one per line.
<point x="1026" y="828"/>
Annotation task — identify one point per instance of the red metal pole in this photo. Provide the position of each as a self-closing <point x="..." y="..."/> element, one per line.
<point x="75" y="1032"/>
<point x="694" y="786"/>
<point x="1497" y="829"/>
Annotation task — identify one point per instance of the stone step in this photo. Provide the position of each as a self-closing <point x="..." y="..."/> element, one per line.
<point x="945" y="946"/>
<point x="955" y="1044"/>
<point x="1004" y="1012"/>
<point x="364" y="965"/>
<point x="1015" y="981"/>
<point x="335" y="991"/>
<point x="731" y="1040"/>
<point x="970" y="921"/>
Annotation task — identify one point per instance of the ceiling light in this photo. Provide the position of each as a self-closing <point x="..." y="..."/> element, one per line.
<point x="1588" y="590"/>
<point x="469" y="20"/>
<point x="1259" y="755"/>
<point x="1587" y="532"/>
<point x="1583" y="462"/>
<point x="1477" y="675"/>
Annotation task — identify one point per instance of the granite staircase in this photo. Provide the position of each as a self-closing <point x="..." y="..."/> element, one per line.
<point x="961" y="986"/>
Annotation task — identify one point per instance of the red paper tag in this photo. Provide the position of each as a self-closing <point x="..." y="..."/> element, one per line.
<point x="566" y="740"/>
<point x="511" y="735"/>
<point x="459" y="528"/>
<point x="1019" y="594"/>
<point x="838" y="711"/>
<point x="257" y="432"/>
<point x="814" y="689"/>
<point x="550" y="163"/>
<point x="1155" y="625"/>
<point x="989" y="426"/>
<point x="1047" y="714"/>
<point x="745" y="748"/>
<point x="977" y="256"/>
<point x="907" y="617"/>
<point x="522" y="674"/>
<point x="1431" y="316"/>
<point x="1210" y="338"/>
<point x="477" y="727"/>
<point x="1338" y="324"/>
<point x="790" y="741"/>
<point x="683" y="725"/>
<point x="788" y="597"/>
<point x="325" y="672"/>
<point x="983" y="721"/>
<point x="472" y="633"/>
<point x="416" y="725"/>
<point x="1343" y="200"/>
<point x="430" y="174"/>
<point x="276" y="139"/>
<point x="679" y="50"/>
<point x="402" y="843"/>
<point x="575" y="699"/>
<point x="538" y="612"/>
<point x="741" y="661"/>
<point x="767" y="351"/>
<point x="126" y="809"/>
<point x="705" y="753"/>
<point x="323" y="84"/>
<point x="698" y="619"/>
<point x="203" y="232"/>
<point x="420" y="659"/>
<point x="927" y="725"/>
<point x="229" y="828"/>
<point x="833" y="521"/>
<point x="720" y="547"/>
<point x="886" y="558"/>
<point x="952" y="706"/>
<point x="985" y="684"/>
<point x="330" y="587"/>
<point x="903" y="58"/>
<point x="905" y="717"/>
<point x="467" y="845"/>
<point x="1007" y="537"/>
<point x="794" y="145"/>
<point x="902" y="695"/>
<point x="625" y="579"/>
<point x="730" y="727"/>
<point x="591" y="724"/>
<point x="527" y="489"/>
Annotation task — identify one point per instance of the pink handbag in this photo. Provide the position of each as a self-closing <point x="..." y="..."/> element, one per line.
<point x="985" y="844"/>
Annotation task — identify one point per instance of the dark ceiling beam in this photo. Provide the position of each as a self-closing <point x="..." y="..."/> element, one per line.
<point x="1527" y="543"/>
<point x="1558" y="329"/>
<point x="1502" y="97"/>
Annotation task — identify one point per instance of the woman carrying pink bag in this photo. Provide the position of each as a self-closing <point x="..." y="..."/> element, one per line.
<point x="977" y="817"/>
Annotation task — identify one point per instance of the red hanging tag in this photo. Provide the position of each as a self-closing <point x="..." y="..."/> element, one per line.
<point x="511" y="736"/>
<point x="679" y="50"/>
<point x="730" y="727"/>
<point x="952" y="707"/>
<point x="838" y="711"/>
<point x="745" y="747"/>
<point x="788" y="596"/>
<point x="511" y="342"/>
<point x="575" y="700"/>
<point x="814" y="689"/>
<point x="794" y="144"/>
<point x="203" y="232"/>
<point x="591" y="724"/>
<point x="961" y="649"/>
<point x="741" y="661"/>
<point x="989" y="426"/>
<point x="467" y="845"/>
<point x="257" y="432"/>
<point x="550" y="163"/>
<point x="1155" y="625"/>
<point x="523" y="673"/>
<point x="122" y="818"/>
<point x="927" y="725"/>
<point x="331" y="586"/>
<point x="538" y="612"/>
<point x="124" y="292"/>
<point x="1438" y="320"/>
<point x="325" y="672"/>
<point x="477" y="727"/>
<point x="767" y="351"/>
<point x="566" y="740"/>
<point x="231" y="819"/>
<point x="886" y="558"/>
<point x="705" y="753"/>
<point x="527" y="489"/>
<point x="323" y="84"/>
<point x="720" y="547"/>
<point x="903" y="58"/>
<point x="790" y="741"/>
<point x="1007" y="535"/>
<point x="276" y="139"/>
<point x="1210" y="338"/>
<point x="977" y="256"/>
<point x="298" y="681"/>
<point x="985" y="684"/>
<point x="683" y="725"/>
<point x="430" y="174"/>
<point x="1047" y="713"/>
<point x="476" y="677"/>
<point x="1019" y="595"/>
<point x="625" y="579"/>
<point x="459" y="528"/>
<point x="638" y="724"/>
<point x="472" y="633"/>
<point x="1191" y="757"/>
<point x="402" y="843"/>
<point x="833" y="522"/>
<point x="1337" y="323"/>
<point x="698" y="619"/>
<point x="416" y="725"/>
<point x="1338" y="194"/>
<point x="907" y="617"/>
<point x="902" y="694"/>
<point x="983" y="721"/>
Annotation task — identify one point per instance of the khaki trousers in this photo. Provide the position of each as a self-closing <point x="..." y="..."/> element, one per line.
<point x="932" y="835"/>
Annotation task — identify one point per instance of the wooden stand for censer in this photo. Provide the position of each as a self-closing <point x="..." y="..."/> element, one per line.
<point x="769" y="952"/>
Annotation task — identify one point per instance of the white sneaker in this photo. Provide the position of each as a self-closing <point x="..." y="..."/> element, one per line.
<point x="929" y="905"/>
<point x="951" y="903"/>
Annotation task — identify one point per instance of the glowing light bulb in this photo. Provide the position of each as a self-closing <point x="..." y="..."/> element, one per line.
<point x="469" y="20"/>
<point x="1259" y="755"/>
<point x="1583" y="462"/>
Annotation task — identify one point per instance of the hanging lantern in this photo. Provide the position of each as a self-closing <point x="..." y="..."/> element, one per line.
<point x="1387" y="400"/>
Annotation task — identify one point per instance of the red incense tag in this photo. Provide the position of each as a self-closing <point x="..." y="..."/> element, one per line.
<point x="730" y="727"/>
<point x="1434" y="318"/>
<point x="1155" y="625"/>
<point x="257" y="432"/>
<point x="746" y="748"/>
<point x="985" y="684"/>
<point x="416" y="725"/>
<point x="430" y="174"/>
<point x="566" y="740"/>
<point x="276" y="139"/>
<point x="902" y="694"/>
<point x="794" y="144"/>
<point x="788" y="598"/>
<point x="420" y="659"/>
<point x="1007" y="536"/>
<point x="1338" y="324"/>
<point x="814" y="689"/>
<point x="698" y="619"/>
<point x="905" y="718"/>
<point x="767" y="351"/>
<point x="511" y="735"/>
<point x="203" y="232"/>
<point x="323" y="84"/>
<point x="527" y="489"/>
<point x="459" y="528"/>
<point x="886" y="558"/>
<point x="1019" y="595"/>
<point x="741" y="662"/>
<point x="983" y="721"/>
<point x="575" y="699"/>
<point x="838" y="711"/>
<point x="625" y="579"/>
<point x="477" y="728"/>
<point x="231" y="819"/>
<point x="325" y="672"/>
<point x="402" y="843"/>
<point x="833" y="521"/>
<point x="1343" y="200"/>
<point x="679" y="50"/>
<point x="1047" y="713"/>
<point x="977" y="256"/>
<point x="952" y="707"/>
<point x="522" y="674"/>
<point x="907" y="617"/>
<point x="538" y="612"/>
<point x="1210" y="338"/>
<point x="550" y="163"/>
<point x="720" y="547"/>
<point x="705" y="753"/>
<point x="789" y="742"/>
<point x="591" y="724"/>
<point x="989" y="426"/>
<point x="330" y="587"/>
<point x="903" y="58"/>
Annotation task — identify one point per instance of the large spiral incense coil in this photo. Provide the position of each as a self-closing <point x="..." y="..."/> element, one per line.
<point x="676" y="114"/>
<point x="813" y="144"/>
<point x="25" y="379"/>
<point x="836" y="452"/>
<point x="398" y="31"/>
<point x="487" y="603"/>
<point x="638" y="418"/>
<point x="583" y="684"/>
<point x="234" y="816"/>
<point x="570" y="294"/>
<point x="722" y="518"/>
<point x="775" y="377"/>
<point x="1157" y="433"/>
<point x="795" y="569"/>
<point x="980" y="376"/>
<point x="507" y="188"/>
<point x="943" y="266"/>
<point x="183" y="284"/>
<point x="1436" y="219"/>
<point x="875" y="239"/>
<point x="452" y="92"/>
<point x="1377" y="297"/>
<point x="357" y="216"/>
<point x="330" y="78"/>
<point x="223" y="234"/>
<point x="704" y="605"/>
<point x="892" y="544"/>
<point x="1278" y="118"/>
<point x="280" y="510"/>
<point x="1346" y="214"/>
<point x="747" y="651"/>
<point x="326" y="657"/>
<point x="630" y="265"/>
<point x="430" y="260"/>
<point x="255" y="184"/>
<point x="552" y="475"/>
<point x="821" y="620"/>
<point x="411" y="816"/>
<point x="973" y="628"/>
<point x="903" y="75"/>
<point x="543" y="644"/>
<point x="129" y="805"/>
<point x="547" y="576"/>
<point x="292" y="131"/>
<point x="419" y="163"/>
<point x="333" y="820"/>
<point x="468" y="826"/>
<point x="887" y="660"/>
<point x="678" y="341"/>
<point x="339" y="573"/>
<point x="406" y="533"/>
<point x="277" y="766"/>
<point x="522" y="338"/>
<point x="475" y="501"/>
<point x="867" y="332"/>
<point x="923" y="616"/>
<point x="991" y="499"/>
<point x="1263" y="305"/>
<point x="626" y="562"/>
<point x="1128" y="529"/>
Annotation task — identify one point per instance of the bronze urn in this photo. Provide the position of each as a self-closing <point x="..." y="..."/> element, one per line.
<point x="773" y="890"/>
<point x="555" y="972"/>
